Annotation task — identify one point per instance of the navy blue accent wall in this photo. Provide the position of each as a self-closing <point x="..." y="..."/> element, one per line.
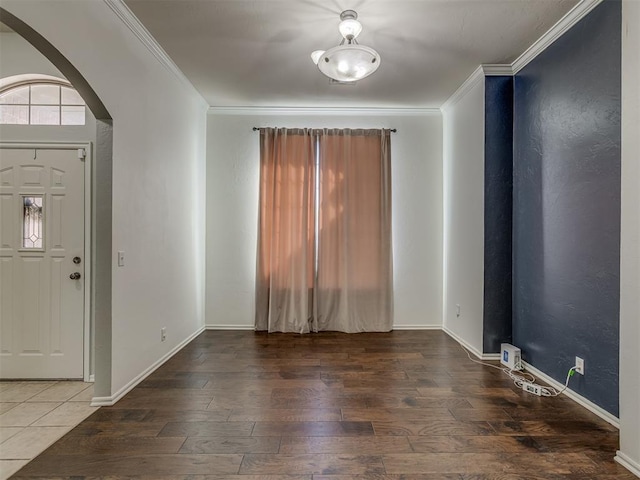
<point x="566" y="236"/>
<point x="498" y="194"/>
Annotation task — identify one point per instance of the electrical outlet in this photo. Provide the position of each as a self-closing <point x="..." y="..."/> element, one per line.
<point x="457" y="310"/>
<point x="532" y="388"/>
<point x="580" y="365"/>
<point x="163" y="334"/>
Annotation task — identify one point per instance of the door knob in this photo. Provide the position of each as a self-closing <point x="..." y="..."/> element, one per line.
<point x="75" y="276"/>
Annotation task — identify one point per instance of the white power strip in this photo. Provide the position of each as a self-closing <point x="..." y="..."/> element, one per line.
<point x="532" y="388"/>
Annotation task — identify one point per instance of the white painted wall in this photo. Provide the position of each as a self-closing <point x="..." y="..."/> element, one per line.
<point x="18" y="56"/>
<point x="158" y="178"/>
<point x="233" y="157"/>
<point x="629" y="454"/>
<point x="463" y="125"/>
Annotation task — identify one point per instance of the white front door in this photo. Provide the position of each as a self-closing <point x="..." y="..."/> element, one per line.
<point x="41" y="263"/>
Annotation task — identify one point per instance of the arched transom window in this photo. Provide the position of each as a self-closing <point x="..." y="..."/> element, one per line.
<point x="41" y="102"/>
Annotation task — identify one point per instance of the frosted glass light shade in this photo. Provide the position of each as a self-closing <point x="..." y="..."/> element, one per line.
<point x="315" y="55"/>
<point x="349" y="63"/>
<point x="350" y="28"/>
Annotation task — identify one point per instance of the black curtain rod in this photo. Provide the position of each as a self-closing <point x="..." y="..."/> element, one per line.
<point x="393" y="130"/>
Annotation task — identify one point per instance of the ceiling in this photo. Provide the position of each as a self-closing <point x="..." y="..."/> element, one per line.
<point x="256" y="52"/>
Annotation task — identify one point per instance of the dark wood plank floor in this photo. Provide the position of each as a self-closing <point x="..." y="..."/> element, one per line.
<point x="401" y="405"/>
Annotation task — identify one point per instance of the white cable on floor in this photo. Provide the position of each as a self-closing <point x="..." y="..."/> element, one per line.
<point x="520" y="377"/>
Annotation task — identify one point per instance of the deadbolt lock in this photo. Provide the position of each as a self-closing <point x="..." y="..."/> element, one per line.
<point x="77" y="260"/>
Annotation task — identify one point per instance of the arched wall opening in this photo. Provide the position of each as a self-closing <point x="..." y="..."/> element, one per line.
<point x="101" y="228"/>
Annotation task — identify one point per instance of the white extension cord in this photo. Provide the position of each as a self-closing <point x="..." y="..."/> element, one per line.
<point x="526" y="381"/>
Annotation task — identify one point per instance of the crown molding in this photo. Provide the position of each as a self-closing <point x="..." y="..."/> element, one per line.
<point x="124" y="13"/>
<point x="497" y="70"/>
<point x="486" y="70"/>
<point x="577" y="13"/>
<point x="333" y="111"/>
<point x="469" y="83"/>
<point x="572" y="17"/>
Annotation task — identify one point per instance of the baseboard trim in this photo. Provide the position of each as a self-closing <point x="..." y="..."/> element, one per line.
<point x="491" y="356"/>
<point x="469" y="347"/>
<point x="576" y="397"/>
<point x="251" y="327"/>
<point x="417" y="327"/>
<point x="108" y="401"/>
<point x="464" y="343"/>
<point x="628" y="463"/>
<point x="229" y="327"/>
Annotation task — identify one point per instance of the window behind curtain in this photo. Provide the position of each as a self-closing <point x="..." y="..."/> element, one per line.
<point x="324" y="243"/>
<point x="285" y="260"/>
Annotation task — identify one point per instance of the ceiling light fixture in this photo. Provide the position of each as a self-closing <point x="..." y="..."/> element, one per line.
<point x="349" y="61"/>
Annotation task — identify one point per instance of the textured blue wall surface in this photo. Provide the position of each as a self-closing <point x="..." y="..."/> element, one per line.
<point x="498" y="192"/>
<point x="567" y="206"/>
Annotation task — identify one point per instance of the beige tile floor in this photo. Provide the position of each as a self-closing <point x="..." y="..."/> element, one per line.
<point x="33" y="415"/>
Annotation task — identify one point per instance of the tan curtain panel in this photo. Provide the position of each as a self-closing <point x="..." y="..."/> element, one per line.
<point x="286" y="225"/>
<point x="324" y="235"/>
<point x="354" y="291"/>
